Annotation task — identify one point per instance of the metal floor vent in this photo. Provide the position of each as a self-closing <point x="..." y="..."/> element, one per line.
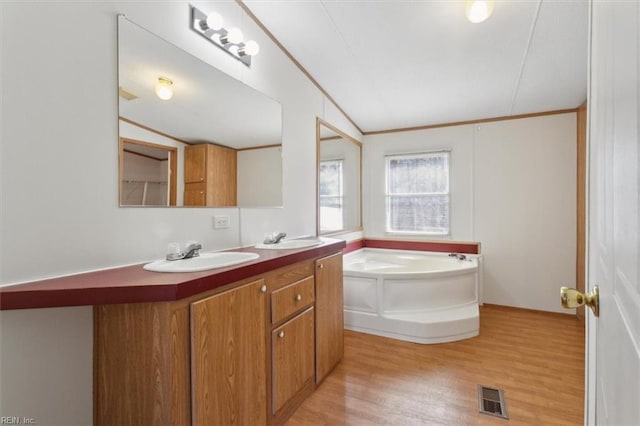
<point x="491" y="401"/>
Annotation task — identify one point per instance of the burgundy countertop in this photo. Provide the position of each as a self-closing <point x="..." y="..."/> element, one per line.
<point x="132" y="284"/>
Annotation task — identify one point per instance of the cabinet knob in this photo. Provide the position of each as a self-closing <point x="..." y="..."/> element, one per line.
<point x="298" y="297"/>
<point x="281" y="334"/>
<point x="321" y="265"/>
<point x="263" y="289"/>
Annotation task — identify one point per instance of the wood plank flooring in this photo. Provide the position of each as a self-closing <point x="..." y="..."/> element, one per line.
<point x="537" y="358"/>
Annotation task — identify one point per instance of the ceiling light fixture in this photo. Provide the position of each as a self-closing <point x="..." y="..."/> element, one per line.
<point x="478" y="10"/>
<point x="211" y="27"/>
<point x="164" y="88"/>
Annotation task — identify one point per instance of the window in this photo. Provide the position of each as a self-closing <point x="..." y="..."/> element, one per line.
<point x="331" y="195"/>
<point x="418" y="193"/>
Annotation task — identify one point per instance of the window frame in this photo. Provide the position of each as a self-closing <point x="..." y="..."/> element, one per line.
<point x="388" y="194"/>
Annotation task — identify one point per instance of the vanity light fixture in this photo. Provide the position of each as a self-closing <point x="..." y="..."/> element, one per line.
<point x="478" y="11"/>
<point x="211" y="27"/>
<point x="164" y="88"/>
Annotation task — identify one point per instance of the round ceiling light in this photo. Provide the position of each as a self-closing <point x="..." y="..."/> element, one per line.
<point x="478" y="10"/>
<point x="164" y="88"/>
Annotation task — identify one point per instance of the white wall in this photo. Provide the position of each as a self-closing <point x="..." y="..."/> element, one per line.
<point x="513" y="189"/>
<point x="259" y="177"/>
<point x="525" y="209"/>
<point x="59" y="174"/>
<point x="143" y="168"/>
<point x="458" y="139"/>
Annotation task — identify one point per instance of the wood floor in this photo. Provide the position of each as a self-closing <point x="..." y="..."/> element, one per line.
<point x="537" y="358"/>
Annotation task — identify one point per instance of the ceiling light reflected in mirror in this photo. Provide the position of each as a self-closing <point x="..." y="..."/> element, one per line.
<point x="478" y="11"/>
<point x="164" y="88"/>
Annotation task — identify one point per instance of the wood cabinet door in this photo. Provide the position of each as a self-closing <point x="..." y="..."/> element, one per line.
<point x="329" y="314"/>
<point x="228" y="350"/>
<point x="195" y="163"/>
<point x="141" y="364"/>
<point x="293" y="354"/>
<point x="222" y="170"/>
<point x="195" y="194"/>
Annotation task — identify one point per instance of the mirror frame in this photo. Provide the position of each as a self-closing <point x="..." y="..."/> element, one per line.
<point x="321" y="122"/>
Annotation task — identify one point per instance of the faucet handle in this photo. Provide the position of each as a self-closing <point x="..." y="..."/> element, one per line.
<point x="191" y="249"/>
<point x="192" y="244"/>
<point x="274" y="237"/>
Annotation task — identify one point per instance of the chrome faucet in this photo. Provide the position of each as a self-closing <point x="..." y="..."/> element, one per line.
<point x="274" y="238"/>
<point x="191" y="250"/>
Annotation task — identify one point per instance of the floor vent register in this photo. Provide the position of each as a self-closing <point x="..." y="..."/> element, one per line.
<point x="491" y="401"/>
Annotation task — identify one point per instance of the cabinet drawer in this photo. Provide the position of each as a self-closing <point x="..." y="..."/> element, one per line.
<point x="291" y="299"/>
<point x="289" y="274"/>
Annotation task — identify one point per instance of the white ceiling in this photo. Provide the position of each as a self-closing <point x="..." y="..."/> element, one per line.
<point x="398" y="64"/>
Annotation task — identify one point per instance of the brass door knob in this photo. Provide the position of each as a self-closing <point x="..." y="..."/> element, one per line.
<point x="572" y="298"/>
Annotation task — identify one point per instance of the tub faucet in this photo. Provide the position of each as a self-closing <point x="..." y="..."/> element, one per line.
<point x="458" y="256"/>
<point x="191" y="250"/>
<point x="274" y="238"/>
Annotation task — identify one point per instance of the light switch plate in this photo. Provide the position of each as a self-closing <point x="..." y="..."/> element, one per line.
<point x="221" y="222"/>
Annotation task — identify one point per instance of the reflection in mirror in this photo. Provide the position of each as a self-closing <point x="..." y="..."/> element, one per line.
<point x="147" y="177"/>
<point x="224" y="137"/>
<point x="339" y="180"/>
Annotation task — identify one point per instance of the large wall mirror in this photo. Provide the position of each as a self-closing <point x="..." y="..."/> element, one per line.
<point x="339" y="180"/>
<point x="214" y="142"/>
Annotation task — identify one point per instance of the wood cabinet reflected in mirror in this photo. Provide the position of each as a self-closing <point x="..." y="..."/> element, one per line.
<point x="339" y="177"/>
<point x="210" y="176"/>
<point x="240" y="127"/>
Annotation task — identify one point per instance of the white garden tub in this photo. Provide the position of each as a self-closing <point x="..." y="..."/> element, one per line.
<point x="421" y="297"/>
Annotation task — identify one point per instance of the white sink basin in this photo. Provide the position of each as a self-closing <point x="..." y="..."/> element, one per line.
<point x="201" y="263"/>
<point x="289" y="244"/>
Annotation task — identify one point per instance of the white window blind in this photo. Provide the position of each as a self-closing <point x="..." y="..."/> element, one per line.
<point x="417" y="193"/>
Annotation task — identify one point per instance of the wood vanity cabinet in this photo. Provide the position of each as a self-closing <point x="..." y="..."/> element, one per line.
<point x="210" y="176"/>
<point x="329" y="314"/>
<point x="292" y="348"/>
<point x="292" y="344"/>
<point x="228" y="352"/>
<point x="248" y="354"/>
<point x="141" y="364"/>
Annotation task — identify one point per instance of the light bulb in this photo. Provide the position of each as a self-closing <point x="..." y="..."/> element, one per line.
<point x="478" y="10"/>
<point x="250" y="48"/>
<point x="214" y="21"/>
<point x="164" y="88"/>
<point x="234" y="35"/>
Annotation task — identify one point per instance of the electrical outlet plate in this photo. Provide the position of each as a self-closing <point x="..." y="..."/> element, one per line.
<point x="221" y="222"/>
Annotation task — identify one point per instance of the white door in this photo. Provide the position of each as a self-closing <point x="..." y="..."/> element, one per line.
<point x="613" y="350"/>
